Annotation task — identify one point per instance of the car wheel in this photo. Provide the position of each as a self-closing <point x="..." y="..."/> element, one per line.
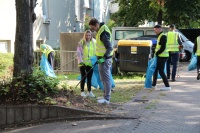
<point x="187" y="56"/>
<point x="114" y="67"/>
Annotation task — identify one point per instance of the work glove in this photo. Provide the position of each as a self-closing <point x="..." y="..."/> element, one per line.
<point x="155" y="55"/>
<point x="101" y="60"/>
<point x="81" y="64"/>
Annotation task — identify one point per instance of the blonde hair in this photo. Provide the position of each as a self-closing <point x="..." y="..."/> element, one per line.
<point x="83" y="39"/>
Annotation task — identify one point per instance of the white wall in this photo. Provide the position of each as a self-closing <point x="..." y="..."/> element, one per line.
<point x="7" y="24"/>
<point x="61" y="14"/>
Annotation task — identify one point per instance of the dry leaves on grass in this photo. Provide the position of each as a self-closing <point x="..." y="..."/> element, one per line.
<point x="71" y="100"/>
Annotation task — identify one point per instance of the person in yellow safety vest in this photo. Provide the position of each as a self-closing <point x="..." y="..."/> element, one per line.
<point x="174" y="42"/>
<point x="86" y="48"/>
<point x="162" y="54"/>
<point x="196" y="50"/>
<point x="104" y="52"/>
<point x="49" y="53"/>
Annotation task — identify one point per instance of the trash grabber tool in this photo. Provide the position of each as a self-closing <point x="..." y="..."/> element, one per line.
<point x="177" y="74"/>
<point x="86" y="73"/>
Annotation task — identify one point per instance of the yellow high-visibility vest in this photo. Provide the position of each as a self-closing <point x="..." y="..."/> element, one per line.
<point x="87" y="53"/>
<point x="46" y="49"/>
<point x="172" y="41"/>
<point x="100" y="48"/>
<point x="165" y="53"/>
<point x="198" y="46"/>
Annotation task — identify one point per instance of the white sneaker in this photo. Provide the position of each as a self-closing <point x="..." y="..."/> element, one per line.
<point x="165" y="89"/>
<point x="90" y="94"/>
<point x="154" y="87"/>
<point x="98" y="98"/>
<point x="83" y="94"/>
<point x="104" y="101"/>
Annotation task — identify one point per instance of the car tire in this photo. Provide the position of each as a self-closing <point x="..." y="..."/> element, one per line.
<point x="114" y="67"/>
<point x="187" y="56"/>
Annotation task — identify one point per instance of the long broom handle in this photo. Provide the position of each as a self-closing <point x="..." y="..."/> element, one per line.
<point x="86" y="74"/>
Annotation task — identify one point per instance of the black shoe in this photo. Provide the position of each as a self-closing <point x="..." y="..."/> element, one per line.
<point x="173" y="80"/>
<point x="198" y="76"/>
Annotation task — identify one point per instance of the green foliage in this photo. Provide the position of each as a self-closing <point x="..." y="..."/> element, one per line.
<point x="6" y="65"/>
<point x="86" y="23"/>
<point x="28" y="88"/>
<point x="184" y="14"/>
<point x="111" y="24"/>
<point x="135" y="12"/>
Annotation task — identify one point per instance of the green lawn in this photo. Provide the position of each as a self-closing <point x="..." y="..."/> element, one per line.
<point x="126" y="86"/>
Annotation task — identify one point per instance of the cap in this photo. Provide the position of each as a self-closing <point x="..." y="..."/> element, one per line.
<point x="172" y="26"/>
<point x="157" y="26"/>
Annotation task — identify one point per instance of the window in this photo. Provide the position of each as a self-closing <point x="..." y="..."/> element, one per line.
<point x="150" y="32"/>
<point x="3" y="47"/>
<point x="119" y="35"/>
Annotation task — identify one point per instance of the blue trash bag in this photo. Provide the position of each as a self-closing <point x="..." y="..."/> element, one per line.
<point x="152" y="64"/>
<point x="96" y="72"/>
<point x="46" y="67"/>
<point x="193" y="63"/>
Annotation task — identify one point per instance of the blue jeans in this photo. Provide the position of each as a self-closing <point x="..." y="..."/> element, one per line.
<point x="173" y="59"/>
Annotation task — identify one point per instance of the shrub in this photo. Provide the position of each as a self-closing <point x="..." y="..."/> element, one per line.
<point x="6" y="65"/>
<point x="28" y="88"/>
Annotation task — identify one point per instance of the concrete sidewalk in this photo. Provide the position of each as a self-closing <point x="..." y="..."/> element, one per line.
<point x="175" y="111"/>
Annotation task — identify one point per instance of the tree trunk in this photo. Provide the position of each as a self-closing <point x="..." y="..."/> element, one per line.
<point x="23" y="57"/>
<point x="160" y="17"/>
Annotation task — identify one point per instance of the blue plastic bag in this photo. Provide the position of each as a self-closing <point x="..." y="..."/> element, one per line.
<point x="193" y="63"/>
<point x="152" y="64"/>
<point x="46" y="67"/>
<point x="96" y="81"/>
<point x="96" y="72"/>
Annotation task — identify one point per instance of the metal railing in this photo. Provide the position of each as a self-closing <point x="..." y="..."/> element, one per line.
<point x="65" y="61"/>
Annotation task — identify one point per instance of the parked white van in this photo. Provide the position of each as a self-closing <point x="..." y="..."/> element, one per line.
<point x="147" y="33"/>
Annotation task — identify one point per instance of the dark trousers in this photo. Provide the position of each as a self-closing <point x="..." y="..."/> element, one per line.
<point x="173" y="59"/>
<point x="198" y="64"/>
<point x="51" y="59"/>
<point x="160" y="68"/>
<point x="84" y="70"/>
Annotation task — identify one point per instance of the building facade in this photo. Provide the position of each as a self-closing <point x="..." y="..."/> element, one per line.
<point x="53" y="18"/>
